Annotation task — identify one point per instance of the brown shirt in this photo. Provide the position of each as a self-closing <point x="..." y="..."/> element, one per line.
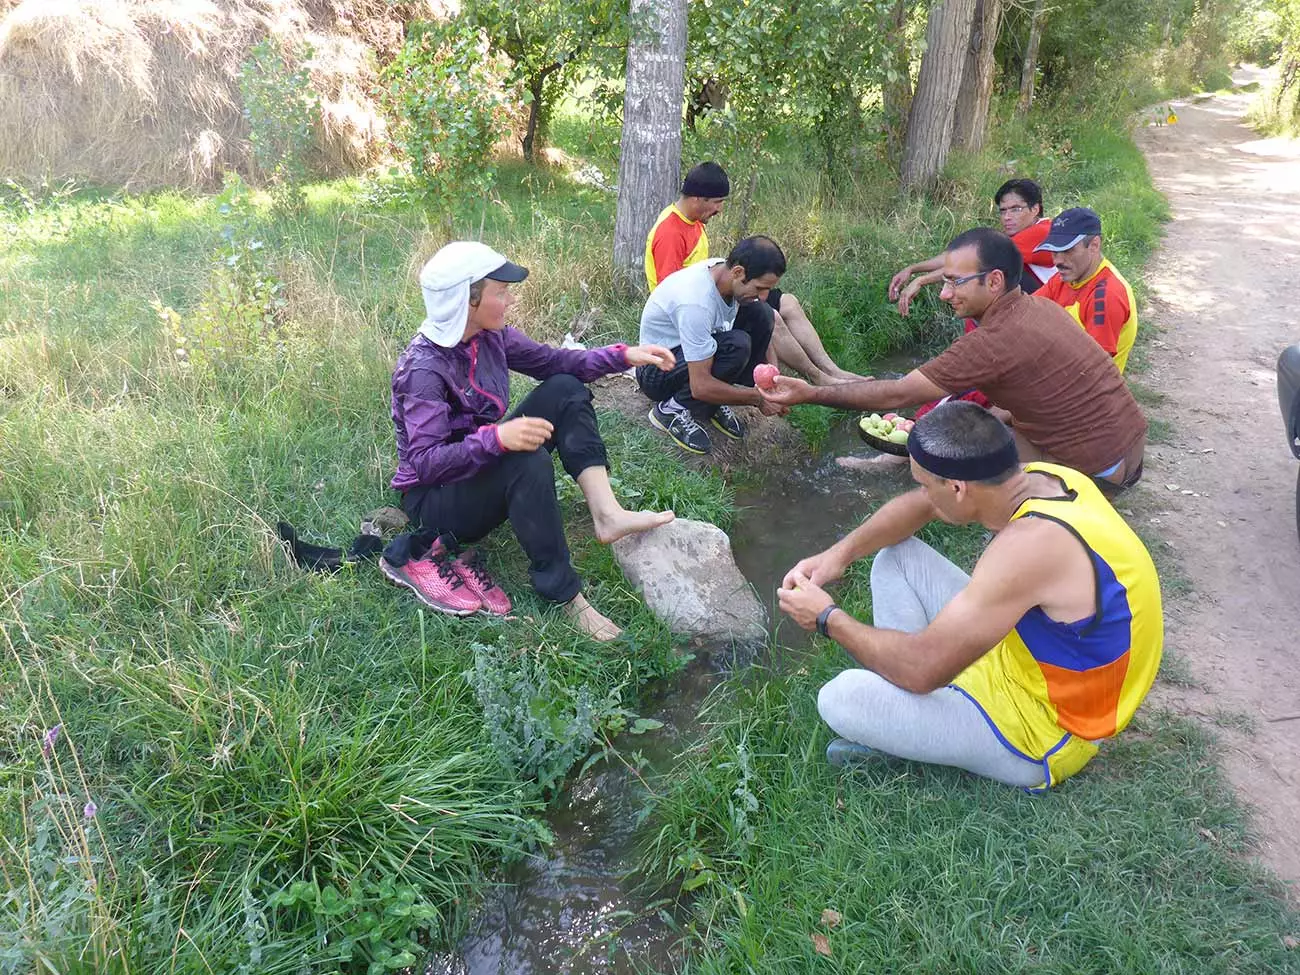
<point x="1030" y="357"/>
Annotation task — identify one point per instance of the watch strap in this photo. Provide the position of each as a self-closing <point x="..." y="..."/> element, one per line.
<point x="823" y="617"/>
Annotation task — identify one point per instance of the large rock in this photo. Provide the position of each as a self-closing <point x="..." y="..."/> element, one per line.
<point x="689" y="579"/>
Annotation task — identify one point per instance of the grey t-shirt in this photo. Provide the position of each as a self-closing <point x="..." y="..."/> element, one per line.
<point x="686" y="309"/>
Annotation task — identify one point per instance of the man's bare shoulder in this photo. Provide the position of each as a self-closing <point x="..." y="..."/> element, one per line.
<point x="1028" y="548"/>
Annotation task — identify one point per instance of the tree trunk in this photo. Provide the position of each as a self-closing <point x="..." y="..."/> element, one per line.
<point x="897" y="93"/>
<point x="929" y="123"/>
<point x="536" y="88"/>
<point x="650" y="159"/>
<point x="1031" y="60"/>
<point x="971" y="123"/>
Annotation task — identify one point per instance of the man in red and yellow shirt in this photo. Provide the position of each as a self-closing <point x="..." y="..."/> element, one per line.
<point x="678" y="237"/>
<point x="678" y="240"/>
<point x="1087" y="285"/>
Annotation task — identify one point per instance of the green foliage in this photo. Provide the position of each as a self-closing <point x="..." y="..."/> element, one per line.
<point x="447" y="105"/>
<point x="241" y="725"/>
<point x="538" y="726"/>
<point x="931" y="869"/>
<point x="548" y="43"/>
<point x="1110" y="57"/>
<point x="815" y="62"/>
<point x="1277" y="110"/>
<point x="282" y="110"/>
<point x="241" y="315"/>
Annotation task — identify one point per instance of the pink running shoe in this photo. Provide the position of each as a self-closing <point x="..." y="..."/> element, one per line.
<point x="476" y="579"/>
<point x="435" y="583"/>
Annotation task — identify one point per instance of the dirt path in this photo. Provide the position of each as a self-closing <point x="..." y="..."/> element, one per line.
<point x="1223" y="288"/>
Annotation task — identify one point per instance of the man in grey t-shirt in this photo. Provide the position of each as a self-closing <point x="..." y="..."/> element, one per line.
<point x="693" y="312"/>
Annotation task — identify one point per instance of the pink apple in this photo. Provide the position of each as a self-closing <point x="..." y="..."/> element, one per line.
<point x="765" y="375"/>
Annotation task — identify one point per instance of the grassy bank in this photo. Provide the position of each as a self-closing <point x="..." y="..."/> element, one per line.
<point x="257" y="769"/>
<point x="214" y="761"/>
<point x="1140" y="864"/>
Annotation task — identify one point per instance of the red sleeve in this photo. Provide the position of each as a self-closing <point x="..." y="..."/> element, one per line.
<point x="669" y="248"/>
<point x="1031" y="237"/>
<point x="1104" y="313"/>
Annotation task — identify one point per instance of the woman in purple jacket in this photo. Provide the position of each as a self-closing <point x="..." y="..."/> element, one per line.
<point x="463" y="467"/>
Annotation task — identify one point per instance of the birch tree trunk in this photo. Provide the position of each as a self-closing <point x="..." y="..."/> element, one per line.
<point x="929" y="123"/>
<point x="650" y="159"/>
<point x="971" y="123"/>
<point x="1031" y="59"/>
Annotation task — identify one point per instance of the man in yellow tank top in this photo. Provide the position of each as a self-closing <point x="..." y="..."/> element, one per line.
<point x="1016" y="672"/>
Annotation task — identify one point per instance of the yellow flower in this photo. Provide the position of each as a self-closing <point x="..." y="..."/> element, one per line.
<point x="1172" y="119"/>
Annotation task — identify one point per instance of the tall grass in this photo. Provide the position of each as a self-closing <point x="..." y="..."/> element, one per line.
<point x="256" y="769"/>
<point x="261" y="770"/>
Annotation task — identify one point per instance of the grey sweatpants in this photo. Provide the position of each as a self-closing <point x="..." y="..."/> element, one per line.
<point x="910" y="583"/>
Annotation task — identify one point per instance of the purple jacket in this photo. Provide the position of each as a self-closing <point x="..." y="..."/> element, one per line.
<point x="447" y="402"/>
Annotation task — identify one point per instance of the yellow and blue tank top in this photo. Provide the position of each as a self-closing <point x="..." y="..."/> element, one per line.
<point x="1051" y="690"/>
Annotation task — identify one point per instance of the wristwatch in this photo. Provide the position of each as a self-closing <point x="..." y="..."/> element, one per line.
<point x="823" y="617"/>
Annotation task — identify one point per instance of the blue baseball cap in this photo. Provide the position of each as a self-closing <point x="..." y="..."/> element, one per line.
<point x="1069" y="227"/>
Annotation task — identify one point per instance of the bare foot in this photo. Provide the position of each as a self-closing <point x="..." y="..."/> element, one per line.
<point x="870" y="463"/>
<point x="613" y="525"/>
<point x="587" y="619"/>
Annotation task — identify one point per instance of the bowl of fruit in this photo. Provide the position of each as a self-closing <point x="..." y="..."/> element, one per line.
<point x="886" y="433"/>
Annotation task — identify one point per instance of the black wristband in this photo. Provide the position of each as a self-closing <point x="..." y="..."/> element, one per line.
<point x="823" y="617"/>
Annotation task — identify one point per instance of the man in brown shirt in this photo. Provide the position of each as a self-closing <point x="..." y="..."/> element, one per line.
<point x="1060" y="391"/>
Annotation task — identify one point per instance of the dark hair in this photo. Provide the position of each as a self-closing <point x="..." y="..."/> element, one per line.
<point x="706" y="179"/>
<point x="961" y="431"/>
<point x="758" y="255"/>
<point x="476" y="291"/>
<point x="1026" y="189"/>
<point x="995" y="251"/>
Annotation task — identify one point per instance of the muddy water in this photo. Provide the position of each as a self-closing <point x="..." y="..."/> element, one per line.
<point x="578" y="908"/>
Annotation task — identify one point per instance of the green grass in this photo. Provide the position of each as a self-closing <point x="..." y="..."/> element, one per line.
<point x="1139" y="864"/>
<point x="297" y="772"/>
<point x="288" y="769"/>
<point x="1133" y="866"/>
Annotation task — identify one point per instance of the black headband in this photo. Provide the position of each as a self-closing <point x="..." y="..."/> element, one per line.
<point x="969" y="469"/>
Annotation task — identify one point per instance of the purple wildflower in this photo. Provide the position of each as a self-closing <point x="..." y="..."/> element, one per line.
<point x="51" y="736"/>
<point x="90" y="810"/>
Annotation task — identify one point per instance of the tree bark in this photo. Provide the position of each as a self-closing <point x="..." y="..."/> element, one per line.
<point x="650" y="158"/>
<point x="971" y="123"/>
<point x="897" y="93"/>
<point x="929" y="123"/>
<point x="1030" y="69"/>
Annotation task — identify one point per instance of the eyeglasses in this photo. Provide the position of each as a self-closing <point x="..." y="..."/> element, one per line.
<point x="958" y="282"/>
<point x="1015" y="209"/>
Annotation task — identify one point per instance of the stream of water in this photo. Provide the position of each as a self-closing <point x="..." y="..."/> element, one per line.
<point x="578" y="907"/>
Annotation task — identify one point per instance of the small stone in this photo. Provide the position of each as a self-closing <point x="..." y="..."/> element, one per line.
<point x="1171" y="487"/>
<point x="1222" y="524"/>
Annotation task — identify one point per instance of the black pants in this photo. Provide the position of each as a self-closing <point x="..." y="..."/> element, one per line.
<point x="738" y="352"/>
<point x="520" y="487"/>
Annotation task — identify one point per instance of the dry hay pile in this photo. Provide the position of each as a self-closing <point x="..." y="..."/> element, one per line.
<point x="145" y="93"/>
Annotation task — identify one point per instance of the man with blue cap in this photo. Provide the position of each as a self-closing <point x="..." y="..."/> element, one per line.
<point x="466" y="463"/>
<point x="1087" y="285"/>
